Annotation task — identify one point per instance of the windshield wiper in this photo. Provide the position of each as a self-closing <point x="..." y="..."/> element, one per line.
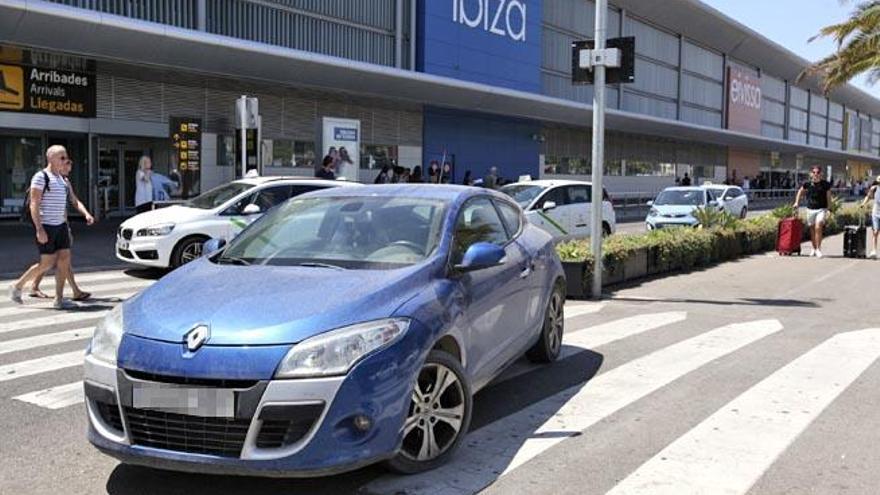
<point x="232" y="260"/>
<point x="316" y="264"/>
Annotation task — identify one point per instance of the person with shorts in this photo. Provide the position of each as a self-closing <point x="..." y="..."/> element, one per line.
<point x="818" y="193"/>
<point x="48" y="208"/>
<point x="875" y="213"/>
<point x="78" y="293"/>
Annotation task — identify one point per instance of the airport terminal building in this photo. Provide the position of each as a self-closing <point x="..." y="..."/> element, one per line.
<point x="476" y="83"/>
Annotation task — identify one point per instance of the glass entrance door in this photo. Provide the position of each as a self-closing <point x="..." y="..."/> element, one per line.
<point x="117" y="173"/>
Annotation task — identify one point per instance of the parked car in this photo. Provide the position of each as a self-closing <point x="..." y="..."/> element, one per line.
<point x="561" y="207"/>
<point x="730" y="198"/>
<point x="172" y="236"/>
<point x="675" y="206"/>
<point x="345" y="327"/>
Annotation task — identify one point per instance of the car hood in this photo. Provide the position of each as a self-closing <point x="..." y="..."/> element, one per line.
<point x="171" y="214"/>
<point x="675" y="209"/>
<point x="255" y="305"/>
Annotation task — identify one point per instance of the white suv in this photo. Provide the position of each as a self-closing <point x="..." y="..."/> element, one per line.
<point x="731" y="199"/>
<point x="561" y="207"/>
<point x="172" y="236"/>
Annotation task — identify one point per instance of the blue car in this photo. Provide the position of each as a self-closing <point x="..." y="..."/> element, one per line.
<point x="345" y="327"/>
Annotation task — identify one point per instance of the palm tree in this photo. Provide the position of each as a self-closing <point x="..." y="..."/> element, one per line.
<point x="858" y="48"/>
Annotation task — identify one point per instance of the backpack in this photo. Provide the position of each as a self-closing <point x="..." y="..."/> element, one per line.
<point x="26" y="206"/>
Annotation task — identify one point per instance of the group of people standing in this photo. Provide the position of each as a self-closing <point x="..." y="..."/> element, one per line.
<point x="335" y="163"/>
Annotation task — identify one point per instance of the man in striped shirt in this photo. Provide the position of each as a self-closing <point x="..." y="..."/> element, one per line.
<point x="48" y="206"/>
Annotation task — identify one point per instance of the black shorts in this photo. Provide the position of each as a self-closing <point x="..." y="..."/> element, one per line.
<point x="59" y="238"/>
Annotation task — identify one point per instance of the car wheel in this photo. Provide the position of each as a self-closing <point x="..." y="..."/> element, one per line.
<point x="438" y="417"/>
<point x="744" y="212"/>
<point x="606" y="230"/>
<point x="187" y="250"/>
<point x="546" y="350"/>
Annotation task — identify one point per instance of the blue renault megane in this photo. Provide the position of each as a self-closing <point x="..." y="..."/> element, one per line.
<point x="345" y="327"/>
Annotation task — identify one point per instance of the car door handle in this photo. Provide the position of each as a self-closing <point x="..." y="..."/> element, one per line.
<point x="527" y="270"/>
<point x="581" y="225"/>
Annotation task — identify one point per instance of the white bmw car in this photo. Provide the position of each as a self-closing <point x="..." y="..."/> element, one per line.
<point x="172" y="236"/>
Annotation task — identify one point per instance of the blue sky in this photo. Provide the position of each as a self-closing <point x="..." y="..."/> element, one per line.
<point x="791" y="23"/>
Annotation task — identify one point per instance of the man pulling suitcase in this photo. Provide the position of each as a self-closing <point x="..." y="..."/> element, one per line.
<point x="818" y="193"/>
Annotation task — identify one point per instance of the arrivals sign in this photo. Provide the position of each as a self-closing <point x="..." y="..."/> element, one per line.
<point x="743" y="101"/>
<point x="54" y="85"/>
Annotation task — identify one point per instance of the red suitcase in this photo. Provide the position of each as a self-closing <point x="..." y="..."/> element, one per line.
<point x="789" y="236"/>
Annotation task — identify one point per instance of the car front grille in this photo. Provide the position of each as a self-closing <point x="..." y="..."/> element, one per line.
<point x="184" y="380"/>
<point x="222" y="437"/>
<point x="110" y="415"/>
<point x="286" y="425"/>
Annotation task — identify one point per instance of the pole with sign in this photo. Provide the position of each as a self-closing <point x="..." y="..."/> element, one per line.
<point x="590" y="59"/>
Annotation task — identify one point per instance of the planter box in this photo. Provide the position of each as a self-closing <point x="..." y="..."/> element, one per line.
<point x="615" y="276"/>
<point x="636" y="266"/>
<point x="654" y="266"/>
<point x="576" y="284"/>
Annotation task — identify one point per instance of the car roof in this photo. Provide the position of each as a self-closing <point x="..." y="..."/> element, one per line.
<point x="443" y="192"/>
<point x="259" y="181"/>
<point x="685" y="188"/>
<point x="551" y="183"/>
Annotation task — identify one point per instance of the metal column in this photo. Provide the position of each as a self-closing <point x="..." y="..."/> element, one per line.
<point x="598" y="149"/>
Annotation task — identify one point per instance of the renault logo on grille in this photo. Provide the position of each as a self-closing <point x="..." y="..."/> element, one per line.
<point x="197" y="337"/>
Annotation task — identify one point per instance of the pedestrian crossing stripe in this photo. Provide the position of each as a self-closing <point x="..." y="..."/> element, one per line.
<point x="729" y="451"/>
<point x="499" y="447"/>
<point x="27" y="343"/>
<point x="41" y="365"/>
<point x="55" y="397"/>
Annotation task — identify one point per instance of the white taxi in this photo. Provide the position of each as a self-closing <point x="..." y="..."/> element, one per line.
<point x="561" y="207"/>
<point x="172" y="236"/>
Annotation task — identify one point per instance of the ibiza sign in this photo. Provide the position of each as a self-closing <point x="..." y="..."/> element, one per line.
<point x="500" y="17"/>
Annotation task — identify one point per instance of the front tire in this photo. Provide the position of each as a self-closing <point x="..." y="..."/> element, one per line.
<point x="438" y="418"/>
<point x="187" y="250"/>
<point x="744" y="212"/>
<point x="549" y="345"/>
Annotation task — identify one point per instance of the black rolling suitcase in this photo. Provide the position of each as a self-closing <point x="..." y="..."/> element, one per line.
<point x="855" y="240"/>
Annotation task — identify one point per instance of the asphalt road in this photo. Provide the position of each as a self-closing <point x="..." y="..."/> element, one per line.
<point x="758" y="376"/>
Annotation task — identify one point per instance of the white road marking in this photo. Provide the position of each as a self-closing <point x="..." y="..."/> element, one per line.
<point x="504" y="445"/>
<point x="41" y="365"/>
<point x="68" y="316"/>
<point x="87" y="277"/>
<point x="586" y="338"/>
<point x="55" y="397"/>
<point x="44" y="340"/>
<point x="36" y="306"/>
<point x="573" y="310"/>
<point x="729" y="451"/>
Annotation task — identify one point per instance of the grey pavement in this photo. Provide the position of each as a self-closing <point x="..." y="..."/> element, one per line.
<point x="638" y="391"/>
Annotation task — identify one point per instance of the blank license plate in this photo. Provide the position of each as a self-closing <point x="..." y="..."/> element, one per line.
<point x="205" y="402"/>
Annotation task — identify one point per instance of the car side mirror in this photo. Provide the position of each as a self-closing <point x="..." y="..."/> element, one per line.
<point x="481" y="255"/>
<point x="548" y="205"/>
<point x="650" y="203"/>
<point x="211" y="246"/>
<point x="251" y="209"/>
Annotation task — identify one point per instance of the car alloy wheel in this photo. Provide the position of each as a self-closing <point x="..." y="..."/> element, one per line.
<point x="547" y="349"/>
<point x="438" y="415"/>
<point x="191" y="252"/>
<point x="187" y="250"/>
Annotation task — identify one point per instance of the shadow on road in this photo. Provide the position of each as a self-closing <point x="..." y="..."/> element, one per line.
<point x="747" y="301"/>
<point x="492" y="403"/>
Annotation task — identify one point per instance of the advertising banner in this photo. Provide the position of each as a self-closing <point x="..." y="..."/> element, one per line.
<point x="344" y="137"/>
<point x="743" y="101"/>
<point x="31" y="82"/>
<point x="186" y="140"/>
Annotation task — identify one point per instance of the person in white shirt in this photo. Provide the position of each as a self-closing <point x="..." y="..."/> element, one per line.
<point x="143" y="194"/>
<point x="48" y="198"/>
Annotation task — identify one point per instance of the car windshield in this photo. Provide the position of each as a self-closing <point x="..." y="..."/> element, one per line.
<point x="219" y="195"/>
<point x="716" y="191"/>
<point x="367" y="232"/>
<point x="522" y="194"/>
<point x="681" y="197"/>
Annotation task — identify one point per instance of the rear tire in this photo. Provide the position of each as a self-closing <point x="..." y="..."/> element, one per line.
<point x="549" y="345"/>
<point x="435" y="423"/>
<point x="187" y="250"/>
<point x="744" y="212"/>
<point x="606" y="230"/>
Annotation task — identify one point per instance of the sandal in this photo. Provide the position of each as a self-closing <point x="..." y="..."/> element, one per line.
<point x="83" y="296"/>
<point x="38" y="294"/>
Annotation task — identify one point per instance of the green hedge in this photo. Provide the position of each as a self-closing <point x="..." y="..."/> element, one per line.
<point x="686" y="248"/>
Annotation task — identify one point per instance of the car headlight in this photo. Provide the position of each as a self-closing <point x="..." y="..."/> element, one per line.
<point x="653" y="212"/>
<point x="335" y="352"/>
<point x="156" y="230"/>
<point x="108" y="334"/>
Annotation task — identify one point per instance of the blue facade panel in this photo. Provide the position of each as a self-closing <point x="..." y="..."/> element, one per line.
<point x="496" y="42"/>
<point x="475" y="142"/>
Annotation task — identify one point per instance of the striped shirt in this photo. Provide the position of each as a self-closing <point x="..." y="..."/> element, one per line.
<point x="53" y="207"/>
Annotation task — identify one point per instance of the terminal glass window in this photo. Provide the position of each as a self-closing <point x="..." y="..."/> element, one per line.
<point x="376" y="156"/>
<point x="291" y="153"/>
<point x="20" y="158"/>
